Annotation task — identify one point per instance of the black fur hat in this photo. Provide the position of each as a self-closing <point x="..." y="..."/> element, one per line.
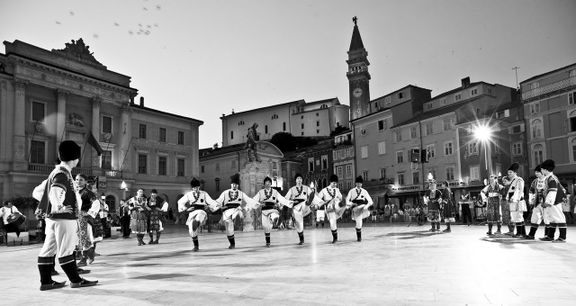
<point x="298" y="175"/>
<point x="194" y="182"/>
<point x="514" y="167"/>
<point x="333" y="178"/>
<point x="548" y="165"/>
<point x="359" y="179"/>
<point x="267" y="179"/>
<point x="235" y="179"/>
<point x="538" y="169"/>
<point x="68" y="150"/>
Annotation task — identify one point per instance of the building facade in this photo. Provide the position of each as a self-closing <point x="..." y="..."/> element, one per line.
<point x="343" y="158"/>
<point x="550" y="114"/>
<point x="50" y="96"/>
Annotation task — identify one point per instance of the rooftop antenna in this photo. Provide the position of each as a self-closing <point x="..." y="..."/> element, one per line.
<point x="515" y="68"/>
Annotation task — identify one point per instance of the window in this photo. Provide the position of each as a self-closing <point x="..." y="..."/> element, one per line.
<point x="400" y="178"/>
<point x="202" y="169"/>
<point x="348" y="170"/>
<point x="400" y="157"/>
<point x="37" y="152"/>
<point x="517" y="148"/>
<point x="142" y="131"/>
<point x="302" y="125"/>
<point x="474" y="173"/>
<point x="365" y="175"/>
<point x="274" y="116"/>
<point x="573" y="122"/>
<point x="431" y="149"/>
<point x="503" y="114"/>
<point x="311" y="164"/>
<point x="340" y="171"/>
<point x="536" y="128"/>
<point x="382" y="148"/>
<point x="317" y="131"/>
<point x="572" y="98"/>
<point x="180" y="137"/>
<point x="38" y="111"/>
<point x="448" y="148"/>
<point x="364" y="152"/>
<point x="415" y="178"/>
<point x="458" y="97"/>
<point x="381" y="125"/>
<point x="241" y="122"/>
<point x="429" y="128"/>
<point x="284" y="126"/>
<point x="573" y="147"/>
<point x="217" y="167"/>
<point x="538" y="154"/>
<point x="473" y="148"/>
<point x="180" y="166"/>
<point x="162" y="165"/>
<point x="217" y="183"/>
<point x="162" y="135"/>
<point x="517" y="129"/>
<point x="449" y="174"/>
<point x="106" y="159"/>
<point x="382" y="173"/>
<point x="534" y="85"/>
<point x="474" y="92"/>
<point x="400" y="95"/>
<point x="413" y="133"/>
<point x="324" y="162"/>
<point x="142" y="163"/>
<point x="317" y="123"/>
<point x="265" y="129"/>
<point x="231" y="134"/>
<point x="398" y="134"/>
<point x="535" y="108"/>
<point x="106" y="125"/>
<point x="449" y="124"/>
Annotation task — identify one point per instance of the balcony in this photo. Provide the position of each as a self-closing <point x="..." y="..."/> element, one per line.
<point x="546" y="89"/>
<point x="46" y="169"/>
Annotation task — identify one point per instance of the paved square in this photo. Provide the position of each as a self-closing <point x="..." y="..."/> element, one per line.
<point x="393" y="265"/>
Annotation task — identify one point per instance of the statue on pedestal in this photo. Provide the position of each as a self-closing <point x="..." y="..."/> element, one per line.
<point x="251" y="143"/>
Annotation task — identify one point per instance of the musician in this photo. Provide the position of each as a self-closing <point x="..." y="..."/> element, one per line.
<point x="554" y="195"/>
<point x="331" y="198"/>
<point x="156" y="208"/>
<point x="61" y="202"/>
<point x="360" y="202"/>
<point x="230" y="202"/>
<point x="492" y="196"/>
<point x="269" y="199"/>
<point x="196" y="203"/>
<point x="11" y="217"/>
<point x="299" y="195"/>
<point x="433" y="199"/>
<point x="138" y="215"/>
<point x="515" y="199"/>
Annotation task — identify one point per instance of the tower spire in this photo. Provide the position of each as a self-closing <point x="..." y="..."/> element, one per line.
<point x="358" y="76"/>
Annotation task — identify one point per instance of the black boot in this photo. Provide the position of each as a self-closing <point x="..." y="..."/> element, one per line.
<point x="499" y="229"/>
<point x="82" y="262"/>
<point x="232" y="242"/>
<point x="267" y="237"/>
<point x="301" y="236"/>
<point x="45" y="267"/>
<point x="68" y="264"/>
<point x="140" y="238"/>
<point x="532" y="232"/>
<point x="519" y="227"/>
<point x="510" y="229"/>
<point x="334" y="236"/>
<point x="157" y="237"/>
<point x="433" y="224"/>
<point x="195" y="241"/>
<point x="447" y="230"/>
<point x="562" y="237"/>
<point x="91" y="253"/>
<point x="358" y="234"/>
<point x="489" y="233"/>
<point x="151" y="238"/>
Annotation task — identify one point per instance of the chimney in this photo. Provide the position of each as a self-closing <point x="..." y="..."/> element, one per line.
<point x="465" y="82"/>
<point x="141" y="101"/>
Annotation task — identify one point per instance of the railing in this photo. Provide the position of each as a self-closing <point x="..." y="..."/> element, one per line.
<point x="46" y="169"/>
<point x="531" y="93"/>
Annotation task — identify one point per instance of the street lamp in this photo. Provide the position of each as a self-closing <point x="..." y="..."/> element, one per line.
<point x="124" y="187"/>
<point x="483" y="133"/>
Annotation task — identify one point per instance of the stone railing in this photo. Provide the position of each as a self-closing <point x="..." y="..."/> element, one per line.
<point x="542" y="90"/>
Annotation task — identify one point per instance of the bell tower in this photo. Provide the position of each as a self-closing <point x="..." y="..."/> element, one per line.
<point x="358" y="76"/>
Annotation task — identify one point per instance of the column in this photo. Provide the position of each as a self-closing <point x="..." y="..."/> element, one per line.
<point x="95" y="129"/>
<point x="61" y="116"/>
<point x="125" y="136"/>
<point x="19" y="138"/>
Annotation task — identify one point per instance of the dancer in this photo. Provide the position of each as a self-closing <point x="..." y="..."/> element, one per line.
<point x="331" y="197"/>
<point x="448" y="207"/>
<point x="138" y="216"/>
<point x="515" y="199"/>
<point x="85" y="235"/>
<point x="465" y="208"/>
<point x="156" y="208"/>
<point x="554" y="195"/>
<point x="196" y="203"/>
<point x="269" y="199"/>
<point x="230" y="202"/>
<point x="433" y="199"/>
<point x="60" y="202"/>
<point x="300" y="195"/>
<point x="536" y="199"/>
<point x="492" y="196"/>
<point x="360" y="202"/>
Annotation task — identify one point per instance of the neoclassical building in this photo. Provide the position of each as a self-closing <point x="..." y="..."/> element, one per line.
<point x="50" y="96"/>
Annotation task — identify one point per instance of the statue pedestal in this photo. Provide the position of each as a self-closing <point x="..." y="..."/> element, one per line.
<point x="251" y="180"/>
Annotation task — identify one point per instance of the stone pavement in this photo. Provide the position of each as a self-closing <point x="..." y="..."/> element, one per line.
<point x="393" y="265"/>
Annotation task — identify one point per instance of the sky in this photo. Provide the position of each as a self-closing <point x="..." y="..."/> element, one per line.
<point x="202" y="59"/>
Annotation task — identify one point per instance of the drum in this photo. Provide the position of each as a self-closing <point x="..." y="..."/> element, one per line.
<point x="16" y="219"/>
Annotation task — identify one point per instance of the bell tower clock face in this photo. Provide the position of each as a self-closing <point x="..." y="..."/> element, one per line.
<point x="357" y="92"/>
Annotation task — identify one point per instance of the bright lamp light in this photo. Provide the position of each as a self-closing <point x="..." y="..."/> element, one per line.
<point x="483" y="133"/>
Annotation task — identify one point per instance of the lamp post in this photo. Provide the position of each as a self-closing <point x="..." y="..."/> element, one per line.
<point x="483" y="133"/>
<point x="124" y="187"/>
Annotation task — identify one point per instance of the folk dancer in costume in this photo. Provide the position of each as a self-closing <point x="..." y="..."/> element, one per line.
<point x="85" y="234"/>
<point x="269" y="199"/>
<point x="61" y="202"/>
<point x="230" y="202"/>
<point x="139" y="215"/>
<point x="360" y="202"/>
<point x="465" y="209"/>
<point x="554" y="196"/>
<point x="433" y="199"/>
<point x="196" y="203"/>
<point x="300" y="196"/>
<point x="536" y="199"/>
<point x="448" y="207"/>
<point x="515" y="199"/>
<point x="492" y="196"/>
<point x="331" y="197"/>
<point x="156" y="208"/>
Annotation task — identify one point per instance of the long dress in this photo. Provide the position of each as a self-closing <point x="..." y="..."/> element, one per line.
<point x="449" y="209"/>
<point x="138" y="215"/>
<point x="433" y="201"/>
<point x="493" y="198"/>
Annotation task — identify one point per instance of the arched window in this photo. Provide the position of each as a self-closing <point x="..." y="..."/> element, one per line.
<point x="274" y="116"/>
<point x="241" y="122"/>
<point x="536" y="128"/>
<point x="538" y="154"/>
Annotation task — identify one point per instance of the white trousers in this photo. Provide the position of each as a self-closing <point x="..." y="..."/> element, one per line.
<point x="554" y="214"/>
<point x="61" y="238"/>
<point x="320" y="215"/>
<point x="268" y="218"/>
<point x="517" y="210"/>
<point x="299" y="212"/>
<point x="229" y="216"/>
<point x="359" y="213"/>
<point x="198" y="218"/>
<point x="538" y="215"/>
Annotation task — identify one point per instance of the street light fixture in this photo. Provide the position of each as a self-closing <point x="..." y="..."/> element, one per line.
<point x="483" y="132"/>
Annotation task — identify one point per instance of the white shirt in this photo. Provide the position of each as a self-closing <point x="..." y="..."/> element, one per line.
<point x="200" y="198"/>
<point x="360" y="194"/>
<point x="5" y="212"/>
